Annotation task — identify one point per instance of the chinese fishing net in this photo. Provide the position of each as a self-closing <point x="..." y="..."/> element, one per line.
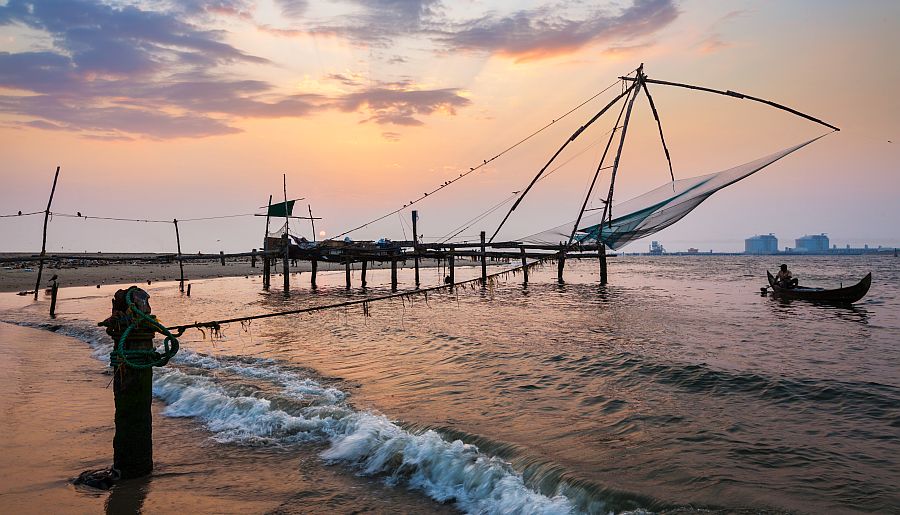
<point x="657" y="209"/>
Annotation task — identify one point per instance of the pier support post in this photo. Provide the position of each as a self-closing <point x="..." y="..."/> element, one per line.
<point x="362" y="278"/>
<point x="267" y="270"/>
<point x="287" y="265"/>
<point x="415" y="219"/>
<point x="189" y="290"/>
<point x="253" y="258"/>
<point x="524" y="268"/>
<point x="483" y="261"/>
<point x="180" y="261"/>
<point x="561" y="263"/>
<point x="133" y="442"/>
<point x="54" y="288"/>
<point x="347" y="269"/>
<point x="394" y="273"/>
<point x="451" y="264"/>
<point x="312" y="275"/>
<point x="601" y="250"/>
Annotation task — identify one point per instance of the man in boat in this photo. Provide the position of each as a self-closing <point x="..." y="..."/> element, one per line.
<point x="785" y="278"/>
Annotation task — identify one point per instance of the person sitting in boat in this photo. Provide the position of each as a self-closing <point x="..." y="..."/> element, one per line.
<point x="785" y="278"/>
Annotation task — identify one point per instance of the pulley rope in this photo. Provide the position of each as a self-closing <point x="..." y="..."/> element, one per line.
<point x="478" y="167"/>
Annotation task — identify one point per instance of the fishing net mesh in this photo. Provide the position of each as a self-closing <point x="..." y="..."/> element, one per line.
<point x="655" y="210"/>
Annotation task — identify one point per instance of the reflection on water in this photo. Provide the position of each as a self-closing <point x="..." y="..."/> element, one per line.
<point x="655" y="391"/>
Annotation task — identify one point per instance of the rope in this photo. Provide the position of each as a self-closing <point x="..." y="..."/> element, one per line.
<point x="466" y="225"/>
<point x="144" y="220"/>
<point x="21" y="214"/>
<point x="215" y="325"/>
<point x="142" y="358"/>
<point x="478" y="167"/>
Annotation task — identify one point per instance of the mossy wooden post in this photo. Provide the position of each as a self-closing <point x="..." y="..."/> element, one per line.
<point x="347" y="272"/>
<point x="133" y="441"/>
<point x="601" y="251"/>
<point x="314" y="266"/>
<point x="393" y="272"/>
<point x="483" y="261"/>
<point x="524" y="267"/>
<point x="561" y="262"/>
<point x="415" y="228"/>
<point x="362" y="278"/>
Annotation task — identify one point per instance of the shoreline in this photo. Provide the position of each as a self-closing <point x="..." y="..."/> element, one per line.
<point x="17" y="278"/>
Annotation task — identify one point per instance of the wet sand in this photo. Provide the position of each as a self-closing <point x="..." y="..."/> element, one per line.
<point x="15" y="278"/>
<point x="57" y="420"/>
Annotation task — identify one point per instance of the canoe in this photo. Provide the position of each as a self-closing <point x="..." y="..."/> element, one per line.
<point x="846" y="295"/>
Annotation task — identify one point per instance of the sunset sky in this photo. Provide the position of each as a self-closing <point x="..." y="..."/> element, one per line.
<point x="182" y="109"/>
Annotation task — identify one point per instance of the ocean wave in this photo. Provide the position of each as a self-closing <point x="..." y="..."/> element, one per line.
<point x="448" y="471"/>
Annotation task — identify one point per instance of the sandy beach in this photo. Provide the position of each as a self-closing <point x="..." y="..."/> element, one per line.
<point x="15" y="277"/>
<point x="50" y="437"/>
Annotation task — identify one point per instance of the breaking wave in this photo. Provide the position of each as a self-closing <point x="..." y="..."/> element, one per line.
<point x="256" y="401"/>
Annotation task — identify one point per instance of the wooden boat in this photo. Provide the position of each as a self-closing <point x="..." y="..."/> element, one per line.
<point x="846" y="295"/>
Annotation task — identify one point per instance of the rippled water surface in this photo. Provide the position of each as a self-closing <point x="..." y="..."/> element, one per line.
<point x="676" y="386"/>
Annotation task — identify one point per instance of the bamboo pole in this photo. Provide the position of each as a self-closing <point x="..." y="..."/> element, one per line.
<point x="312" y="221"/>
<point x="287" y="242"/>
<point x="363" y="274"/>
<point x="347" y="270"/>
<point x="415" y="218"/>
<point x="483" y="260"/>
<point x="524" y="266"/>
<point x="267" y="264"/>
<point x="602" y="253"/>
<point x="180" y="262"/>
<point x="37" y="284"/>
<point x="607" y="208"/>
<point x="54" y="290"/>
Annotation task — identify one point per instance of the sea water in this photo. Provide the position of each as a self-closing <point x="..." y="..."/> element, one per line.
<point x="677" y="387"/>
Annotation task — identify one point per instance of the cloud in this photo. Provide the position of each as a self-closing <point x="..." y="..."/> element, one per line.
<point x="293" y="8"/>
<point x="391" y="136"/>
<point x="540" y="33"/>
<point x="396" y="104"/>
<point x="122" y="72"/>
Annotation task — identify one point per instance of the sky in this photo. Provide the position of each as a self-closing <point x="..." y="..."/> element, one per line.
<point x="165" y="109"/>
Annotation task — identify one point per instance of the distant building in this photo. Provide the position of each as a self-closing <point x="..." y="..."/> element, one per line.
<point x="692" y="250"/>
<point x="656" y="249"/>
<point x="812" y="243"/>
<point x="761" y="244"/>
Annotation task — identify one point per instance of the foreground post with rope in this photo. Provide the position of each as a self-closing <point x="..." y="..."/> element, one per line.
<point x="483" y="261"/>
<point x="132" y="328"/>
<point x="415" y="219"/>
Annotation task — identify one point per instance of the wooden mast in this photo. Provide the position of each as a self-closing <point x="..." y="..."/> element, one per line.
<point x="572" y="138"/>
<point x="607" y="208"/>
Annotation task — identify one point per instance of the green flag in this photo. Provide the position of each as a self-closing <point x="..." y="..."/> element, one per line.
<point x="279" y="209"/>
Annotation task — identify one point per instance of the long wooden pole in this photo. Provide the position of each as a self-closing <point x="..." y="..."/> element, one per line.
<point x="312" y="221"/>
<point x="590" y="191"/>
<point x="267" y="263"/>
<point x="287" y="242"/>
<point x="572" y="138"/>
<point x="734" y="94"/>
<point x="37" y="284"/>
<point x="607" y="208"/>
<point x="415" y="219"/>
<point x="180" y="262"/>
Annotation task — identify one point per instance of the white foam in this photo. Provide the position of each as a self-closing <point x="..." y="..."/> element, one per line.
<point x="447" y="471"/>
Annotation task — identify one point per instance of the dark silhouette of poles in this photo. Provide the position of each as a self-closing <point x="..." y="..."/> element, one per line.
<point x="37" y="284"/>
